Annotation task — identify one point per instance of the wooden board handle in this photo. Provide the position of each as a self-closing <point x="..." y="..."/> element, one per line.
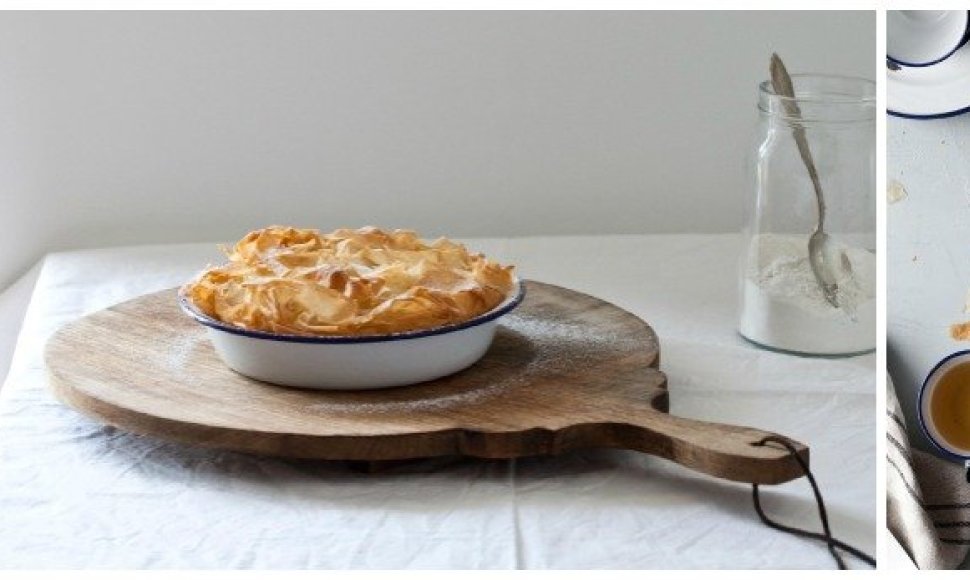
<point x="726" y="451"/>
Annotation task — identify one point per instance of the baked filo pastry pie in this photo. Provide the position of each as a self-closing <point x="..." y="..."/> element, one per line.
<point x="348" y="282"/>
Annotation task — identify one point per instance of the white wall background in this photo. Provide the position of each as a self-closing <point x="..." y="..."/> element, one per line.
<point x="122" y="128"/>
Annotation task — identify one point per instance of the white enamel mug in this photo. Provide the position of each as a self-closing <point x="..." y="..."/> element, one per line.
<point x="925" y="403"/>
<point x="918" y="38"/>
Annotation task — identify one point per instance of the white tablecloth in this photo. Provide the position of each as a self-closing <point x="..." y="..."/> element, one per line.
<point x="76" y="494"/>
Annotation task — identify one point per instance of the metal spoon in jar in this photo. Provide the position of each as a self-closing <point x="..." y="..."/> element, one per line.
<point x="828" y="265"/>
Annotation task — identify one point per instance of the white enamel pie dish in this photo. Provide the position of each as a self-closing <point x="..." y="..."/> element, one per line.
<point x="354" y="362"/>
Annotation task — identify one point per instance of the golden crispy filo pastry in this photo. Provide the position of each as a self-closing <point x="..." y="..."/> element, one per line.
<point x="348" y="282"/>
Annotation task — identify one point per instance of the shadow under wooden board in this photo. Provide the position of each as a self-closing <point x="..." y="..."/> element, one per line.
<point x="565" y="371"/>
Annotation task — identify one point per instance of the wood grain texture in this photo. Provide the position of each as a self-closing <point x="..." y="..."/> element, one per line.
<point x="566" y="371"/>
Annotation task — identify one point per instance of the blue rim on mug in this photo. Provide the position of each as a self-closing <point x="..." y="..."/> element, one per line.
<point x="963" y="40"/>
<point x="928" y="116"/>
<point x="922" y="419"/>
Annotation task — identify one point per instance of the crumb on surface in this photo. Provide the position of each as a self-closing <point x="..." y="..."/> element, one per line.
<point x="895" y="192"/>
<point x="960" y="331"/>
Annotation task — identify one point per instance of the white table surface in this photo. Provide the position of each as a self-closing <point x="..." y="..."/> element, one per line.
<point x="76" y="494"/>
<point x="927" y="253"/>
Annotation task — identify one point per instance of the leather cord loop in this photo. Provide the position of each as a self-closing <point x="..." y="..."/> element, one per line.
<point x="834" y="544"/>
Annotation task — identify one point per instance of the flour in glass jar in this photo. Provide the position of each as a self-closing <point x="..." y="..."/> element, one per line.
<point x="783" y="307"/>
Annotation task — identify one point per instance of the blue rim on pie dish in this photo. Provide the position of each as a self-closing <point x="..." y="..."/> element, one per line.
<point x="503" y="308"/>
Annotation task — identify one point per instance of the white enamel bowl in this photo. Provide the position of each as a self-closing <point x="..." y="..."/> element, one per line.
<point x="919" y="38"/>
<point x="354" y="362"/>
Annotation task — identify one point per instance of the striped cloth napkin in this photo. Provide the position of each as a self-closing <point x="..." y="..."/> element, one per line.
<point x="928" y="509"/>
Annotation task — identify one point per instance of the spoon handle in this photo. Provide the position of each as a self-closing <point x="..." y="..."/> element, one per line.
<point x="782" y="84"/>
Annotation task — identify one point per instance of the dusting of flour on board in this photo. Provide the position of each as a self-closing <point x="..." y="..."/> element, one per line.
<point x="557" y="346"/>
<point x="183" y="347"/>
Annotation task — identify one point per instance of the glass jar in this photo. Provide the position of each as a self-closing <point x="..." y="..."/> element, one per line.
<point x="782" y="306"/>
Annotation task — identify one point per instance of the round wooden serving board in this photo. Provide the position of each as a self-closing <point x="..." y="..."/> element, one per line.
<point x="565" y="371"/>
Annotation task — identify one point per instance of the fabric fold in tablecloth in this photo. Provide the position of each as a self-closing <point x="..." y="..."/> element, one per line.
<point x="928" y="498"/>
